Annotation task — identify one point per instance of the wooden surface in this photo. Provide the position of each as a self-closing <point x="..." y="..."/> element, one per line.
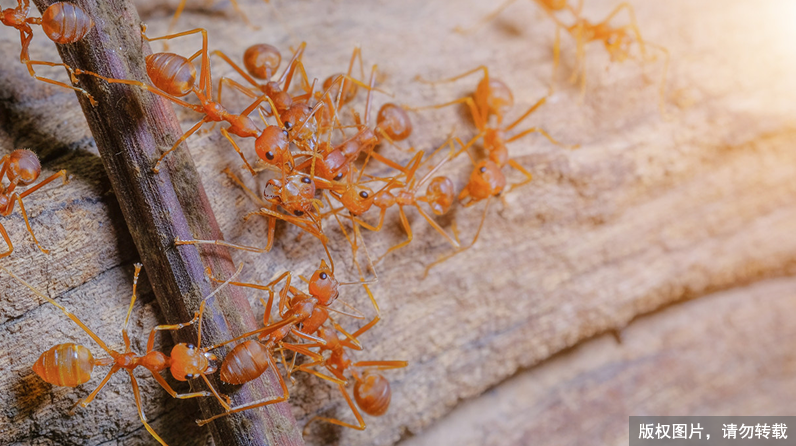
<point x="646" y="214"/>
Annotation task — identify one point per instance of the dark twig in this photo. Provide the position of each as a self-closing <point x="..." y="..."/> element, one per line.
<point x="131" y="128"/>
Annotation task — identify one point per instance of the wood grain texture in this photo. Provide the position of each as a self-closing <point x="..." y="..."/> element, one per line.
<point x="647" y="213"/>
<point x="728" y="353"/>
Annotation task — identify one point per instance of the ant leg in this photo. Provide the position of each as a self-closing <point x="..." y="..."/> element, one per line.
<point x="530" y="111"/>
<point x="8" y="242"/>
<point x="60" y="173"/>
<point x="174" y="19"/>
<point x="254" y="404"/>
<point x="141" y="415"/>
<point x="150" y="345"/>
<point x="85" y="401"/>
<point x="74" y="318"/>
<point x="479" y="121"/>
<point x="237" y="149"/>
<point x="240" y="184"/>
<point x="370" y="227"/>
<point x="130" y="309"/>
<point x="306" y="368"/>
<point x="185" y="136"/>
<point x="243" y="15"/>
<point x="455" y="78"/>
<point x="491" y="16"/>
<point x="225" y="401"/>
<point x="31" y="63"/>
<point x="27" y="222"/>
<point x="173" y="393"/>
<point x="436" y="226"/>
<point x="235" y="67"/>
<point x="149" y="88"/>
<point x="458" y="251"/>
<point x="528" y="176"/>
<point x="357" y="415"/>
<point x="179" y="242"/>
<point x="662" y="87"/>
<point x="381" y="365"/>
<point x="407" y="228"/>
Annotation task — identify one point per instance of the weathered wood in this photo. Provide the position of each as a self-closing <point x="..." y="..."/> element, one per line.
<point x="647" y="213"/>
<point x="727" y="353"/>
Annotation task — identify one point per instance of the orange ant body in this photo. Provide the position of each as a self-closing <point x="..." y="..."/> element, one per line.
<point x="301" y="317"/>
<point x="174" y="76"/>
<point x="493" y="97"/>
<point x="22" y="168"/>
<point x="62" y="22"/>
<point x="71" y="365"/>
<point x="372" y="391"/>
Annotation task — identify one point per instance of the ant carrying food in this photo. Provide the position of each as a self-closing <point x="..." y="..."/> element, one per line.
<point x="71" y="365"/>
<point x="21" y="167"/>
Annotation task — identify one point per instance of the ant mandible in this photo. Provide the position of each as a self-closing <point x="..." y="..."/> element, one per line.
<point x="71" y="365"/>
<point x="22" y="168"/>
<point x="62" y="22"/>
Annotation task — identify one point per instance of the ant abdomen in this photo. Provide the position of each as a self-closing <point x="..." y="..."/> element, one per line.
<point x="262" y="60"/>
<point x="23" y="167"/>
<point x="65" y="23"/>
<point x="171" y="73"/>
<point x="372" y="394"/>
<point x="67" y="365"/>
<point x="349" y="89"/>
<point x="440" y="194"/>
<point x="245" y="362"/>
<point x="494" y="95"/>
<point x="394" y="122"/>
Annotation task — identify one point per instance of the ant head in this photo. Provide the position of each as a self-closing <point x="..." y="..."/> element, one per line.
<point x="273" y="148"/>
<point x="23" y="166"/>
<point x="262" y="60"/>
<point x="357" y="199"/>
<point x="493" y="96"/>
<point x="299" y="190"/>
<point x="171" y="73"/>
<point x="297" y="119"/>
<point x="323" y="285"/>
<point x="333" y="166"/>
<point x="486" y="180"/>
<point x="439" y="194"/>
<point x="333" y="89"/>
<point x="394" y="122"/>
<point x="188" y="362"/>
<point x="372" y="394"/>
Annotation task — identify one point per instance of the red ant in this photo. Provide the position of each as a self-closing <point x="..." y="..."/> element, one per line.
<point x="21" y="167"/>
<point x="62" y="22"/>
<point x="250" y="359"/>
<point x="371" y="390"/>
<point x="174" y="76"/>
<point x="71" y="365"/>
<point x="493" y="97"/>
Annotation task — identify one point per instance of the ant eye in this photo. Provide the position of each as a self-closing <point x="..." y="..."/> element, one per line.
<point x="191" y="376"/>
<point x="338" y="177"/>
<point x="363" y="194"/>
<point x="285" y="131"/>
<point x="298" y="213"/>
<point x="191" y="346"/>
<point x="269" y="155"/>
<point x="323" y="276"/>
<point x="306" y="180"/>
<point x="288" y="125"/>
<point x="482" y="170"/>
